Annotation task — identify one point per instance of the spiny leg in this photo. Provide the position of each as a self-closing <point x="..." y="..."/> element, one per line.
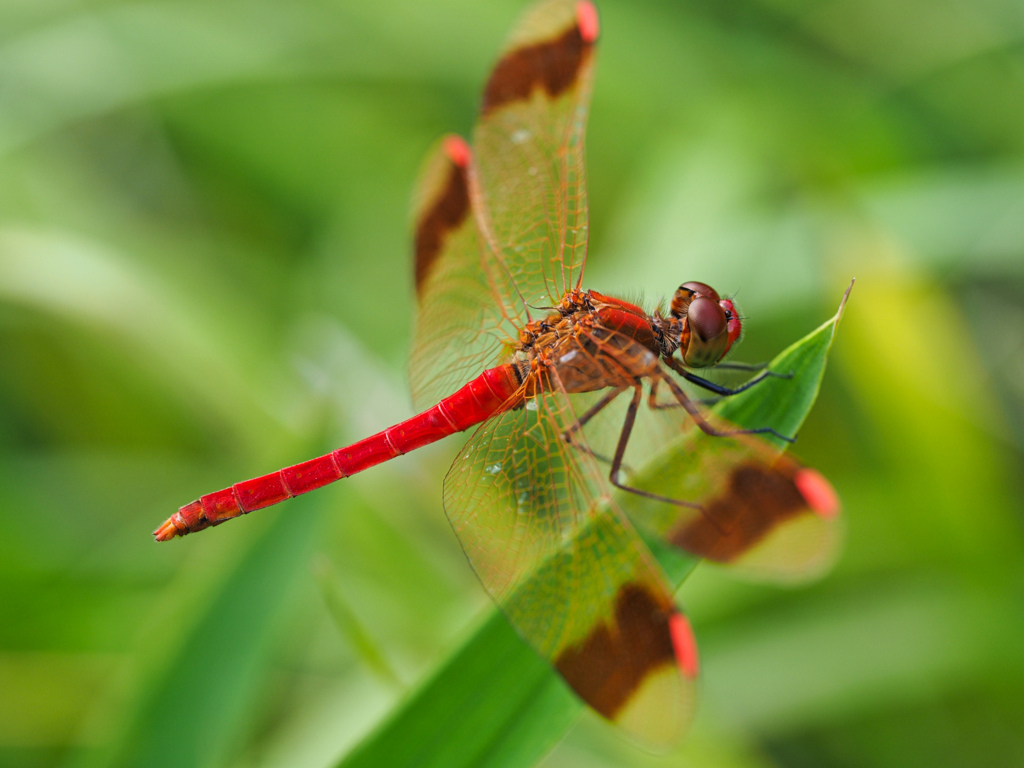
<point x="718" y="389"/>
<point x="744" y="367"/>
<point x="595" y="409"/>
<point x="692" y="408"/>
<point x="620" y="452"/>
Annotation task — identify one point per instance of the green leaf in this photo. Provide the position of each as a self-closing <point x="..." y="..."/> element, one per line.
<point x="784" y="403"/>
<point x="494" y="702"/>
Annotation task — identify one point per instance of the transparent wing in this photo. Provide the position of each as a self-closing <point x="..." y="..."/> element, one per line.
<point x="762" y="513"/>
<point x="536" y="522"/>
<point x="505" y="229"/>
<point x="460" y="328"/>
<point x="529" y="177"/>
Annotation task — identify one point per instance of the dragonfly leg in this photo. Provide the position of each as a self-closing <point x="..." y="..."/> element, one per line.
<point x="596" y="408"/>
<point x="718" y="389"/>
<point x="742" y="366"/>
<point x="692" y="408"/>
<point x="620" y="452"/>
<point x="748" y="367"/>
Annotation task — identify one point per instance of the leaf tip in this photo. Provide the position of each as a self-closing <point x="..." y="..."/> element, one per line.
<point x="842" y="302"/>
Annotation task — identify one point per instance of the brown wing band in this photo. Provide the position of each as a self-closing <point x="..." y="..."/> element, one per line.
<point x="757" y="499"/>
<point x="610" y="663"/>
<point x="553" y="66"/>
<point x="444" y="217"/>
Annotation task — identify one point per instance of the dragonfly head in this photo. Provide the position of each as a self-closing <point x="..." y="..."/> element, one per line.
<point x="710" y="324"/>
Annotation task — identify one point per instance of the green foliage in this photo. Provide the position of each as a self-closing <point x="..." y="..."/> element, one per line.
<point x="204" y="275"/>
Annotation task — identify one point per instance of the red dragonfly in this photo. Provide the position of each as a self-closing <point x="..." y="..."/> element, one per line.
<point x="500" y="247"/>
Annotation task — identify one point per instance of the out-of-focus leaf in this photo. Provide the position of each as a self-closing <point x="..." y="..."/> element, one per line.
<point x="953" y="218"/>
<point x="349" y="624"/>
<point x="94" y="288"/>
<point x="197" y="704"/>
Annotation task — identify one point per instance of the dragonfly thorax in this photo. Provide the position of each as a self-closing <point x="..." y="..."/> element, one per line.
<point x="588" y="342"/>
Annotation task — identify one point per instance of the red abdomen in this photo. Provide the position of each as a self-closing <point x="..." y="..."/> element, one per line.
<point x="483" y="396"/>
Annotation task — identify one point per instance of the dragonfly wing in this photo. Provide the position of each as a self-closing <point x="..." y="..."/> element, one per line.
<point x="504" y="229"/>
<point x="460" y="327"/>
<point x="760" y="512"/>
<point x="529" y="176"/>
<point x="536" y="522"/>
<point x="751" y="507"/>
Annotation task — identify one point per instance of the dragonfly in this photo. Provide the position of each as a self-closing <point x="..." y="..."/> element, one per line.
<point x="564" y="385"/>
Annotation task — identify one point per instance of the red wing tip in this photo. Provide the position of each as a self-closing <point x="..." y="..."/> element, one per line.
<point x="457" y="150"/>
<point x="817" y="492"/>
<point x="586" y="19"/>
<point x="684" y="644"/>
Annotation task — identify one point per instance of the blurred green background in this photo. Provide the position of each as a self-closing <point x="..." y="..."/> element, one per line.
<point x="205" y="275"/>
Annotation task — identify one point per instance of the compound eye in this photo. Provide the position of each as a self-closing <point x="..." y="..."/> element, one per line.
<point x="707" y="318"/>
<point x="701" y="289"/>
<point x="688" y="292"/>
<point x="709" y="333"/>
